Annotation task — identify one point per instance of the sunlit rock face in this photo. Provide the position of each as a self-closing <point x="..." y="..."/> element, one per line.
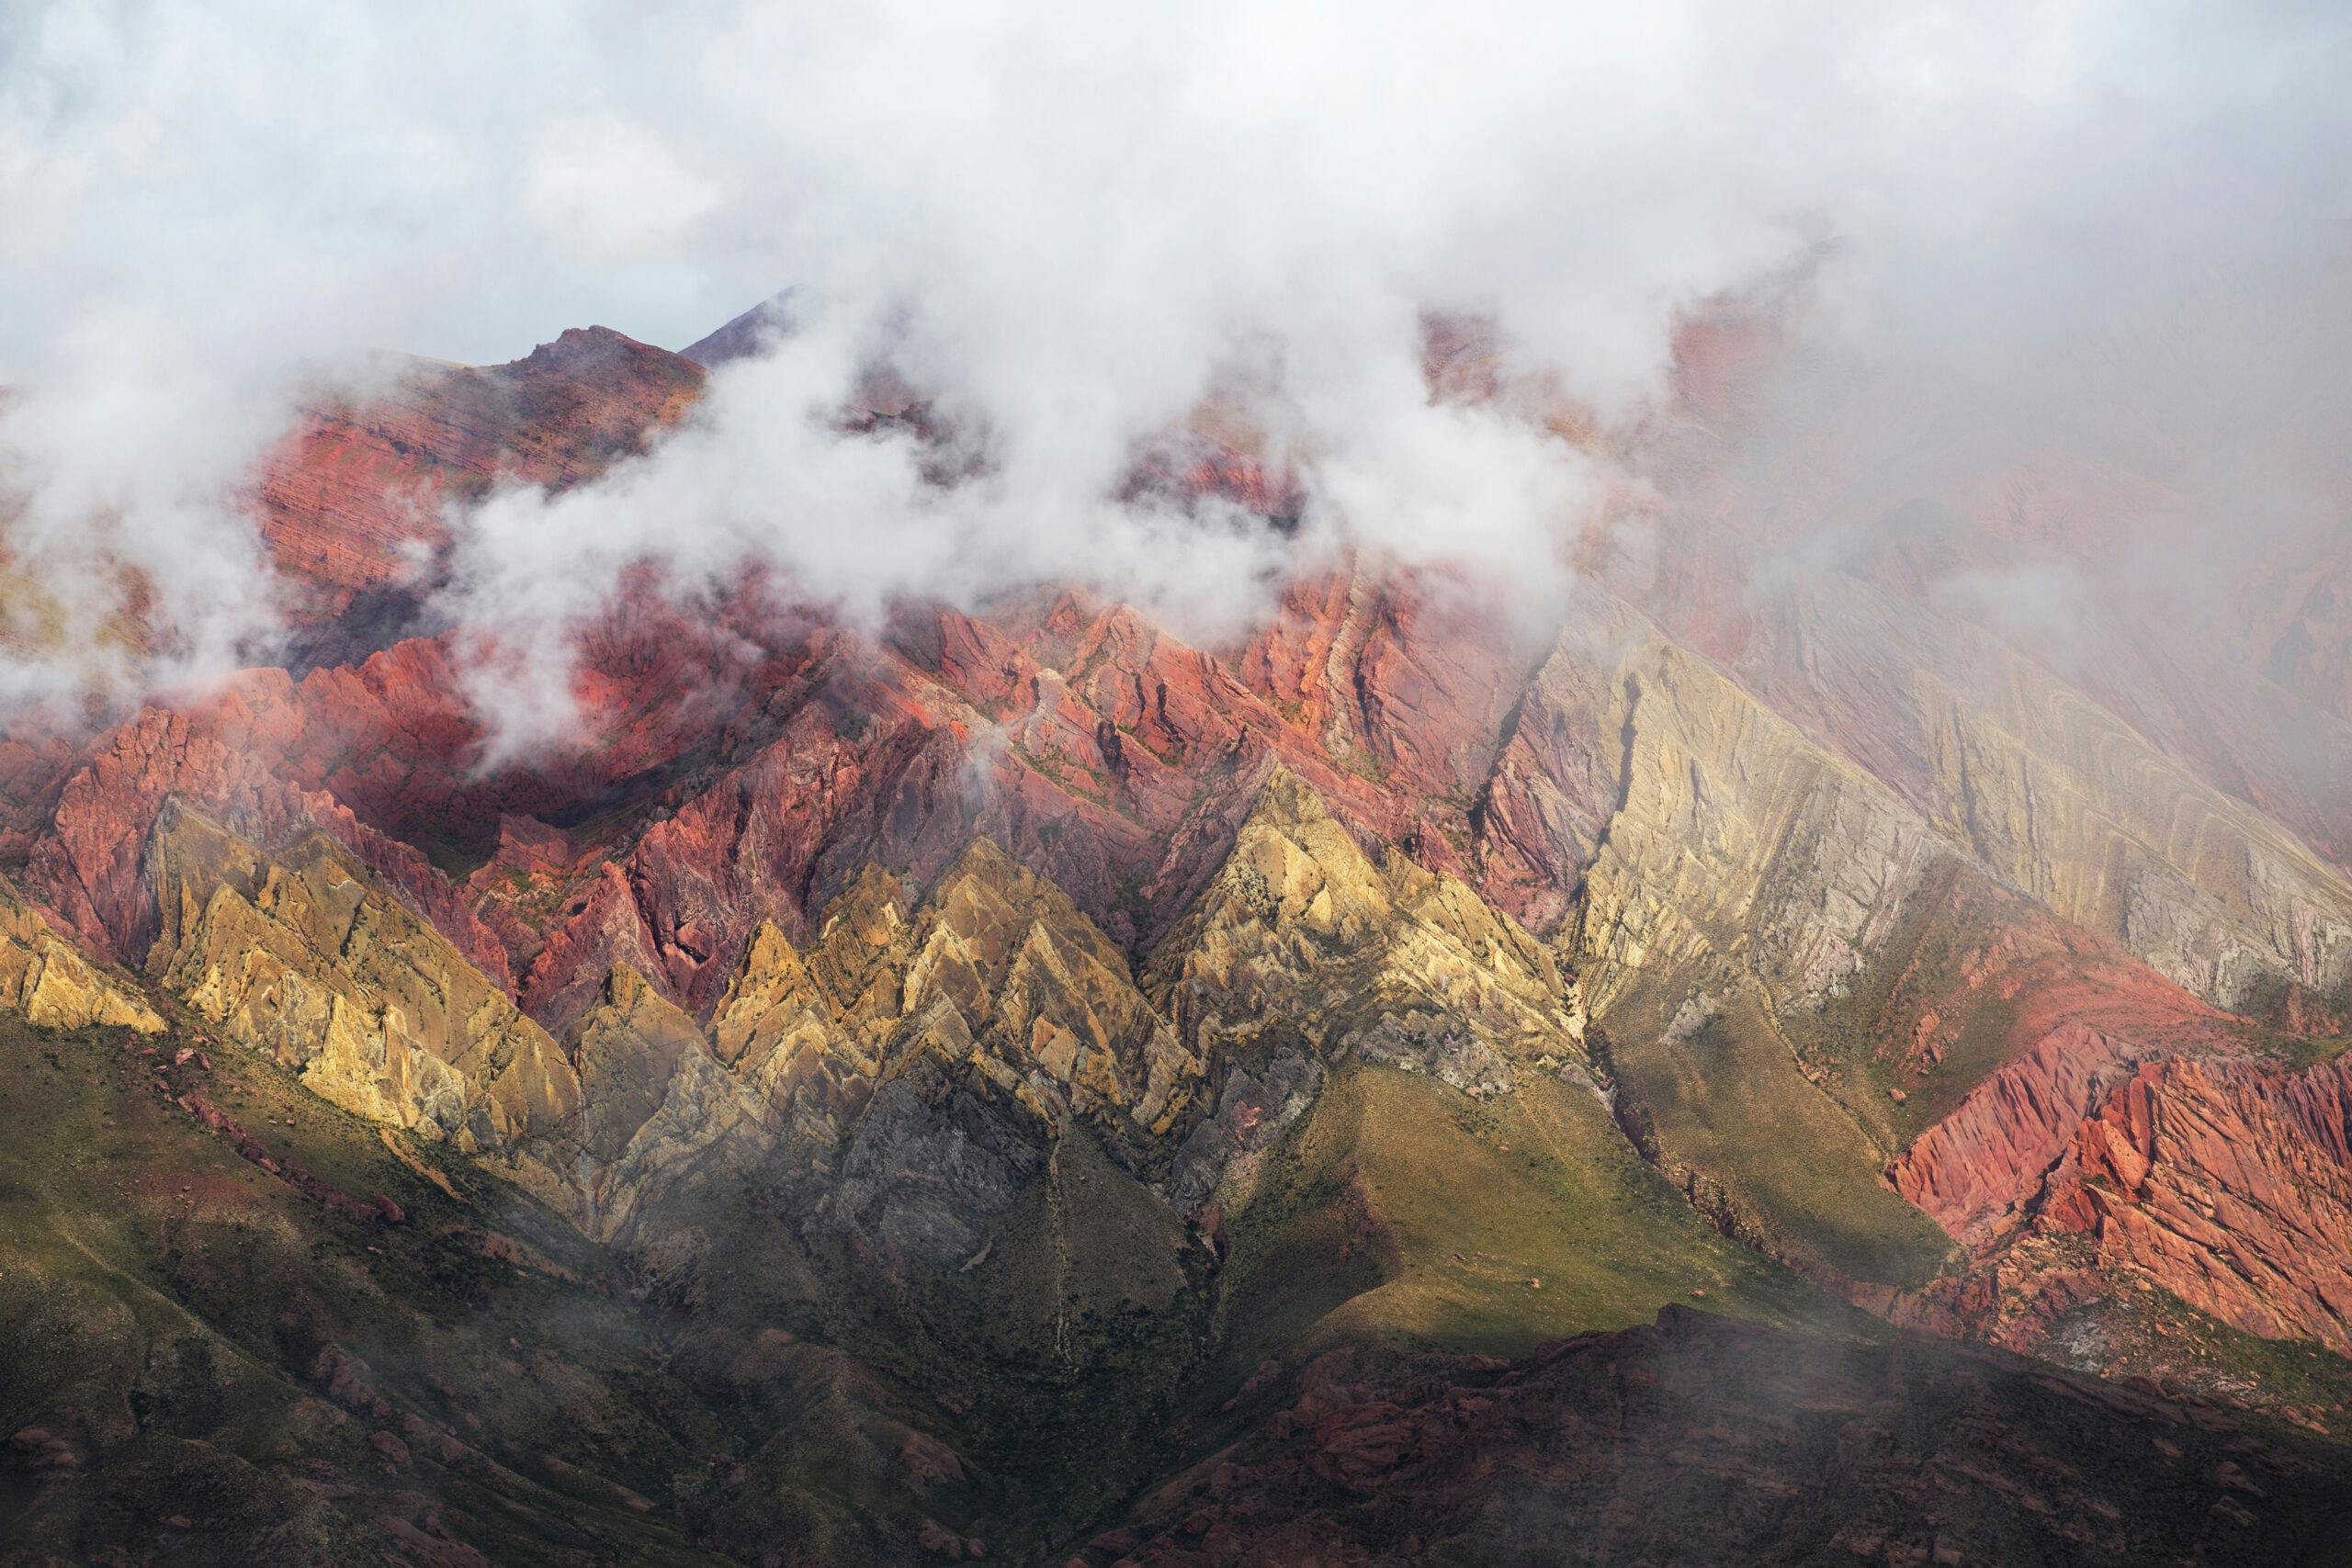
<point x="1301" y="936"/>
<point x="988" y="1011"/>
<point x="302" y="956"/>
<point x="46" y="979"/>
<point x="2228" y="1185"/>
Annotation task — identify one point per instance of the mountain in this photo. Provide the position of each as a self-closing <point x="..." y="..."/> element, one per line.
<point x="743" y="337"/>
<point x="1777" y="1060"/>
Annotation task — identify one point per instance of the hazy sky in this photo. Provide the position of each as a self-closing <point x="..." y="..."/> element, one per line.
<point x="1072" y="219"/>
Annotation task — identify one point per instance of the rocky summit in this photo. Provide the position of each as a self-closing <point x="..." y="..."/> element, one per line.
<point x="1759" y="1059"/>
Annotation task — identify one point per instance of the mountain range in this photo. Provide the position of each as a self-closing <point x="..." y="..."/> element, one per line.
<point x="1825" y="1044"/>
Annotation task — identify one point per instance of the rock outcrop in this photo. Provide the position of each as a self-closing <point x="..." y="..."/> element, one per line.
<point x="1047" y="997"/>
<point x="1984" y="1170"/>
<point x="2228" y="1184"/>
<point x="1300" y="939"/>
<point x="299" y="953"/>
<point x="1733" y="840"/>
<point x="43" y="978"/>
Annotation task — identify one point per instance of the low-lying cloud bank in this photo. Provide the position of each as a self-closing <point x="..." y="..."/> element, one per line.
<point x="1072" y="226"/>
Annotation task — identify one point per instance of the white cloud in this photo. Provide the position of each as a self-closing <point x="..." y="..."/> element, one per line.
<point x="612" y="194"/>
<point x="1072" y="221"/>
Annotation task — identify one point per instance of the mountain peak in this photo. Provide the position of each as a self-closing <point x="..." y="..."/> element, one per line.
<point x="747" y="335"/>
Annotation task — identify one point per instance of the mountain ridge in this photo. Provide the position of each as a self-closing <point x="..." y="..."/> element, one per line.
<point x="1023" y="1049"/>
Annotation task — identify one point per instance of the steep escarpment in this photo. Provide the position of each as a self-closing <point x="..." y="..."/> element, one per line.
<point x="1733" y="880"/>
<point x="2228" y="1184"/>
<point x="2062" y="800"/>
<point x="1771" y="938"/>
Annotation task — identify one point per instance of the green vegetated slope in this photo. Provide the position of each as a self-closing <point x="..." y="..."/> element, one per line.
<point x="207" y="1363"/>
<point x="1728" y="1114"/>
<point x="1400" y="1209"/>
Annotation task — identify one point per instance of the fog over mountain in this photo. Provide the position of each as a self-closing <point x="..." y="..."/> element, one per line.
<point x="1071" y="230"/>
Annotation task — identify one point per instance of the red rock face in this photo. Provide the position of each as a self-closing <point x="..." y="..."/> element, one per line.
<point x="353" y="500"/>
<point x="86" y="868"/>
<point x="1989" y="962"/>
<point x="2130" y="1113"/>
<point x="2230" y="1185"/>
<point x="1105" y="754"/>
<point x="1980" y="1169"/>
<point x="1098" y="751"/>
<point x="714" y="785"/>
<point x="2221" y="1178"/>
<point x="383" y="754"/>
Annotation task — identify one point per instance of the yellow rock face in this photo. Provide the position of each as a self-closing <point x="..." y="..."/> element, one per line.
<point x="43" y="978"/>
<point x="780" y="1032"/>
<point x="1301" y="937"/>
<point x="1738" y="848"/>
<point x="993" y="975"/>
<point x="657" y="1105"/>
<point x="2059" y="797"/>
<point x="1044" y="995"/>
<point x="994" y="972"/>
<point x="302" y="956"/>
<point x="859" y="956"/>
<point x="773" y="1003"/>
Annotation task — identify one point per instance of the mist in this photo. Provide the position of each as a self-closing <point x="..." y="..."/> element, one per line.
<point x="1073" y="228"/>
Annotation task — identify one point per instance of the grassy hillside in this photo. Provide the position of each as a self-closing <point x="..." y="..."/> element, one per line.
<point x="209" y="1362"/>
<point x="1401" y="1210"/>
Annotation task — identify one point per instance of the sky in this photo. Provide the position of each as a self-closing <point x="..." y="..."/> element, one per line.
<point x="1070" y="223"/>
